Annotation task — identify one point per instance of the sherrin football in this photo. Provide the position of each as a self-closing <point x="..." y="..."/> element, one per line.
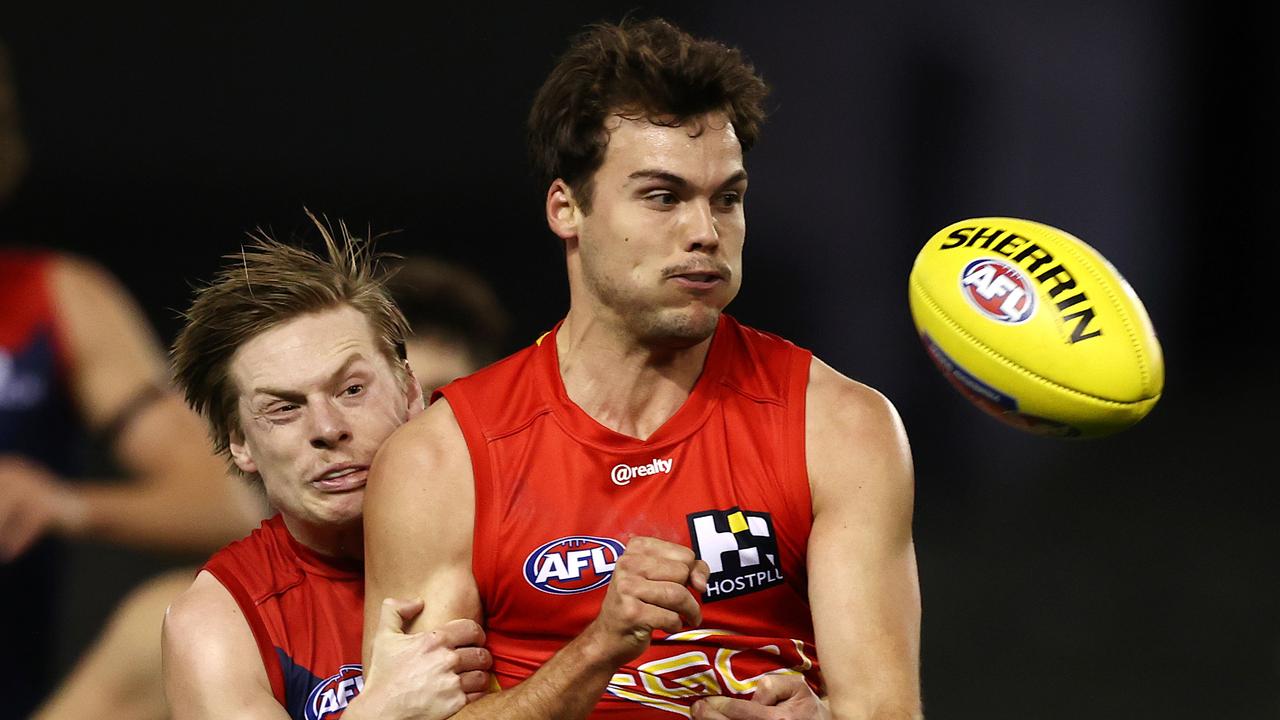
<point x="1035" y="327"/>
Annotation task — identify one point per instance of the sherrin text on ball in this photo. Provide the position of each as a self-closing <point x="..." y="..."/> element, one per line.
<point x="1035" y="327"/>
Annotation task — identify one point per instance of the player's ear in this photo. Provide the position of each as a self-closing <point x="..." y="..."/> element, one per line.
<point x="563" y="212"/>
<point x="415" y="397"/>
<point x="240" y="452"/>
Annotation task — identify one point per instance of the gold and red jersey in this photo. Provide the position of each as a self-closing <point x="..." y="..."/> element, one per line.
<point x="559" y="496"/>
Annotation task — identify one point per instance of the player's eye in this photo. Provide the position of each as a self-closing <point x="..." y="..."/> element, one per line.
<point x="730" y="199"/>
<point x="666" y="198"/>
<point x="283" y="411"/>
<point x="353" y="390"/>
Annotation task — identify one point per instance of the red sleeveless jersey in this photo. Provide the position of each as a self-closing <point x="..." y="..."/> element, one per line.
<point x="306" y="613"/>
<point x="558" y="496"/>
<point x="39" y="420"/>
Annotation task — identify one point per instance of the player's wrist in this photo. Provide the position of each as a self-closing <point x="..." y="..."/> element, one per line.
<point x="71" y="517"/>
<point x="598" y="648"/>
<point x="366" y="706"/>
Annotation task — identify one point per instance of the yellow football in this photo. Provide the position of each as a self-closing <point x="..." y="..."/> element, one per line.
<point x="1035" y="327"/>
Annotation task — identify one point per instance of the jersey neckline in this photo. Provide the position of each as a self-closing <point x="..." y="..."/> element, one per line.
<point x="316" y="563"/>
<point x="687" y="419"/>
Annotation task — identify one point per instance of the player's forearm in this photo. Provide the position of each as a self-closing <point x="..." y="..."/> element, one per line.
<point x="567" y="687"/>
<point x="891" y="711"/>
<point x="152" y="514"/>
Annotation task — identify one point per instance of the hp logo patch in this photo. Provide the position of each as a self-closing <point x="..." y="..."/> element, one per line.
<point x="334" y="693"/>
<point x="574" y="564"/>
<point x="740" y="548"/>
<point x="998" y="290"/>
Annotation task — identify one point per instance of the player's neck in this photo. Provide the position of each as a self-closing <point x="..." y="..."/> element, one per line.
<point x="336" y="541"/>
<point x="623" y="384"/>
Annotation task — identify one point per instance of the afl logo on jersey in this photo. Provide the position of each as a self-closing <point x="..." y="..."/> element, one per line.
<point x="334" y="693"/>
<point x="998" y="290"/>
<point x="574" y="564"/>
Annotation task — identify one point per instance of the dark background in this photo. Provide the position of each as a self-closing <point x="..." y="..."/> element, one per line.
<point x="1130" y="576"/>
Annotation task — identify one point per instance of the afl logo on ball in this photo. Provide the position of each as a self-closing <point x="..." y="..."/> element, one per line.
<point x="573" y="564"/>
<point x="998" y="290"/>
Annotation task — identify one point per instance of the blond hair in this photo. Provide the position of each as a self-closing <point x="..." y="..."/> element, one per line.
<point x="270" y="283"/>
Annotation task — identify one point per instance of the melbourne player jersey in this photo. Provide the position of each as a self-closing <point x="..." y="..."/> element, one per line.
<point x="306" y="613"/>
<point x="39" y="421"/>
<point x="558" y="496"/>
<point x="37" y="416"/>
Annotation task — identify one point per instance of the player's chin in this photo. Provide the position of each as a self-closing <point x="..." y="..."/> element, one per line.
<point x="339" y="509"/>
<point x="683" y="327"/>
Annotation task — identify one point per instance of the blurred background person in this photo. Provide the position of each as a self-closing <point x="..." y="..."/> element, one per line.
<point x="457" y="325"/>
<point x="79" y="363"/>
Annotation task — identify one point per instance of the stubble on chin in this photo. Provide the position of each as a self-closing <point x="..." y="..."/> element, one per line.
<point x="675" y="329"/>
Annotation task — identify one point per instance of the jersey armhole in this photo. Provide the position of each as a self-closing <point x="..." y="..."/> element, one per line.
<point x="64" y="361"/>
<point x="483" y="554"/>
<point x="797" y="458"/>
<point x="270" y="663"/>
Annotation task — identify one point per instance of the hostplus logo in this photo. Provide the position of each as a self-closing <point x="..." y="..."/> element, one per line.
<point x="740" y="548"/>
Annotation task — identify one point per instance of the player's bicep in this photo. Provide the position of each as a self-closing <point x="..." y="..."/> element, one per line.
<point x="864" y="589"/>
<point x="212" y="668"/>
<point x="113" y="348"/>
<point x="418" y="519"/>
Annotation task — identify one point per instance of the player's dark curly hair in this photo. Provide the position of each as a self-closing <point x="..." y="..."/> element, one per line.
<point x="638" y="69"/>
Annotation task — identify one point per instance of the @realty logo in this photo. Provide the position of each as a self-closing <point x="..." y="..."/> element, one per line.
<point x="623" y="474"/>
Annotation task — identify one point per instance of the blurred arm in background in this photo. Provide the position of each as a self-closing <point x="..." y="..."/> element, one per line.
<point x="177" y="495"/>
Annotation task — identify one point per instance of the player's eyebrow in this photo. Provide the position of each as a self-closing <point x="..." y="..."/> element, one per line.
<point x="669" y="177"/>
<point x="294" y="395"/>
<point x="676" y="180"/>
<point x="734" y="179"/>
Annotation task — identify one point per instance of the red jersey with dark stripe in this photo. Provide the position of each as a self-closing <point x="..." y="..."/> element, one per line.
<point x="40" y="421"/>
<point x="558" y="496"/>
<point x="306" y="613"/>
<point x="38" y="417"/>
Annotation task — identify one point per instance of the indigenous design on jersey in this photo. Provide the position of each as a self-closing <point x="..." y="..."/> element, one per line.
<point x="725" y="475"/>
<point x="306" y="614"/>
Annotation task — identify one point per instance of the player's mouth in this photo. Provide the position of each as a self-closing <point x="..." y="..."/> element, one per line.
<point x="341" y="478"/>
<point x="701" y="279"/>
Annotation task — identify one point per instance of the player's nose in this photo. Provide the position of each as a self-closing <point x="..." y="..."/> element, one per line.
<point x="702" y="228"/>
<point x="329" y="426"/>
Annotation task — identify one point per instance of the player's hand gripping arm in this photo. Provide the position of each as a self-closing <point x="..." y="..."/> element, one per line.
<point x="212" y="667"/>
<point x="419" y="517"/>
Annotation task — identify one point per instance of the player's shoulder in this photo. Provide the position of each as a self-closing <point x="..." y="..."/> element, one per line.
<point x="80" y="279"/>
<point x="205" y="610"/>
<point x="846" y="406"/>
<point x="430" y="446"/>
<point x="435" y="426"/>
<point x="206" y="635"/>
